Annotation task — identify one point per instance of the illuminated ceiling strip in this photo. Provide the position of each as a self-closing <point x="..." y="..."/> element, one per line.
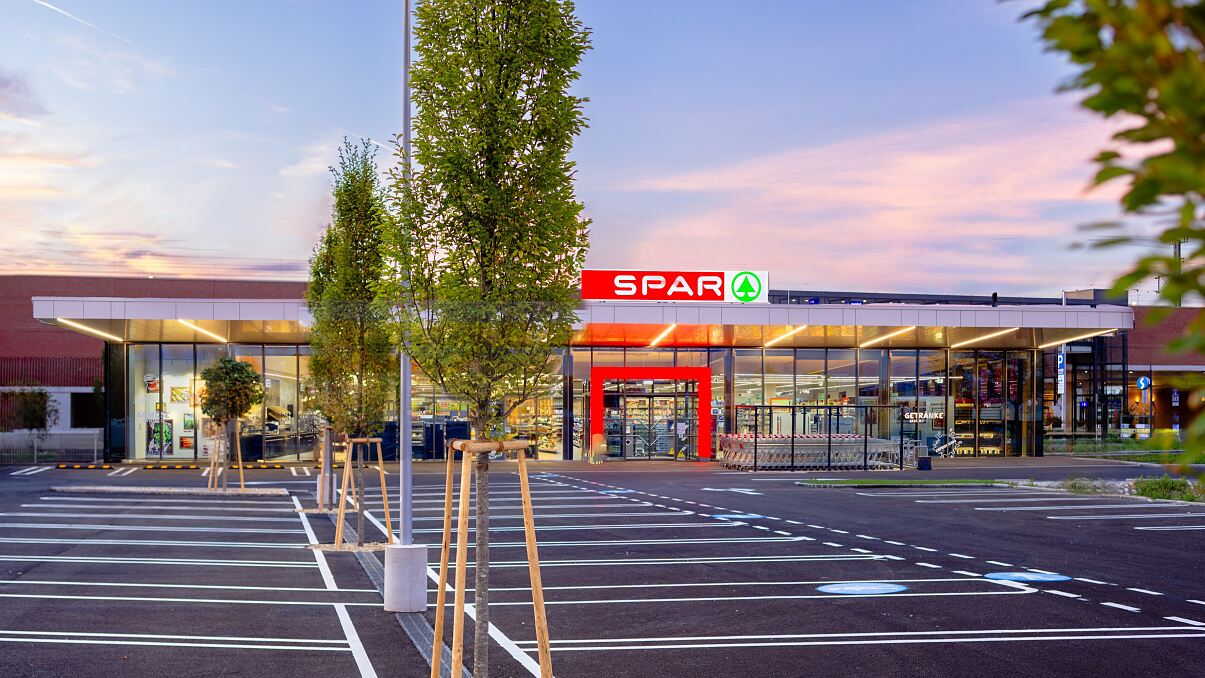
<point x="202" y="330"/>
<point x="792" y="333"/>
<point x="885" y="337"/>
<point x="976" y="340"/>
<point x="1082" y="336"/>
<point x="663" y="335"/>
<point x="85" y="328"/>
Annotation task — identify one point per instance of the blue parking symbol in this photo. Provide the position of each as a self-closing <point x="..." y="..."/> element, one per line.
<point x="1026" y="576"/>
<point x="862" y="588"/>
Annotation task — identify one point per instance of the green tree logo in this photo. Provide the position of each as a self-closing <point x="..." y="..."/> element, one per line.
<point x="746" y="286"/>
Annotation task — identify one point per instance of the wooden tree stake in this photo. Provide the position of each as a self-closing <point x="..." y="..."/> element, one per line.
<point x="533" y="571"/>
<point x="462" y="555"/>
<point x="441" y="594"/>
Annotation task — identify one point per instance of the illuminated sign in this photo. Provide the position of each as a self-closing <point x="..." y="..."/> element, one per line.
<point x="730" y="286"/>
<point x="923" y="416"/>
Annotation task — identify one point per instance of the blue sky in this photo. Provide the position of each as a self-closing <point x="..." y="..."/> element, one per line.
<point x="877" y="145"/>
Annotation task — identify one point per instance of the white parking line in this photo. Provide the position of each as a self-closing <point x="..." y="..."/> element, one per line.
<point x="1077" y="507"/>
<point x="561" y="528"/>
<point x="267" y="501"/>
<point x="141" y="516"/>
<point x="1172" y="528"/>
<point x="1119" y="606"/>
<point x="1146" y="591"/>
<point x="1061" y="593"/>
<point x="1183" y="620"/>
<point x="114" y="560"/>
<point x="721" y="599"/>
<point x="810" y="582"/>
<point x="353" y="639"/>
<point x="136" y="507"/>
<point x="31" y="470"/>
<point x="930" y="565"/>
<point x="223" y="601"/>
<point x="140" y="585"/>
<point x="156" y="542"/>
<point x="1002" y="501"/>
<point x="870" y="638"/>
<point x="1135" y="516"/>
<point x="142" y="528"/>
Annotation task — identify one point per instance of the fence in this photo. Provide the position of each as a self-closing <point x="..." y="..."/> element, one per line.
<point x="868" y="442"/>
<point x="25" y="447"/>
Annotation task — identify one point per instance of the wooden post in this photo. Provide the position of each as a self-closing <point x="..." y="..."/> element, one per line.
<point x="238" y="450"/>
<point x="533" y="571"/>
<point x="441" y="595"/>
<point x="462" y="555"/>
<point x="384" y="492"/>
<point x="342" y="502"/>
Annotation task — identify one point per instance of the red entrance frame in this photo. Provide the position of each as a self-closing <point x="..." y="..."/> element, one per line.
<point x="701" y="375"/>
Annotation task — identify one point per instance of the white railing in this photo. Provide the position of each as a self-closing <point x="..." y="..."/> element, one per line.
<point x="33" y="447"/>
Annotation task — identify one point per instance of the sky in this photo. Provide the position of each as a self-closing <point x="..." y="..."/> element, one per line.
<point x="869" y="145"/>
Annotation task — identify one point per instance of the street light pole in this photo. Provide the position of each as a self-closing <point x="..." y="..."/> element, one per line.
<point x="405" y="562"/>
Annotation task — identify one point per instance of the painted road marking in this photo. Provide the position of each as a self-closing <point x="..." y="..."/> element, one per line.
<point x="687" y="560"/>
<point x="1183" y="620"/>
<point x="31" y="470"/>
<point x="139" y="585"/>
<point x="588" y="587"/>
<point x="1061" y="593"/>
<point x="136" y="507"/>
<point x="963" y="556"/>
<point x="1091" y="581"/>
<point x="862" y="588"/>
<point x="969" y="574"/>
<point x="558" y="528"/>
<point x="1010" y="500"/>
<point x="1146" y="591"/>
<point x="142" y="516"/>
<point x="222" y="601"/>
<point x="1001" y="564"/>
<point x="925" y="548"/>
<point x="1027" y="576"/>
<point x="1076" y="507"/>
<point x="870" y="638"/>
<point x="737" y="516"/>
<point x="1119" y="606"/>
<point x="1172" y="528"/>
<point x="142" y="528"/>
<point x="930" y="565"/>
<point x="164" y="500"/>
<point x="117" y="560"/>
<point x="157" y="542"/>
<point x="1127" y="517"/>
<point x="720" y="599"/>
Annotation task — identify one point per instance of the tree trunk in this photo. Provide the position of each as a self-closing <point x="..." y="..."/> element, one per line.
<point x="225" y="451"/>
<point x="481" y="587"/>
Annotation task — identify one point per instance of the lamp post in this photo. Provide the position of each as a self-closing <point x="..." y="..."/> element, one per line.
<point x="405" y="561"/>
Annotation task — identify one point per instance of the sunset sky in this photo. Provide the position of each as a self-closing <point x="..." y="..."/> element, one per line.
<point x="863" y="145"/>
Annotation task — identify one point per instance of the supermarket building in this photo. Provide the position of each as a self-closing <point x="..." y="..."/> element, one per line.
<point x="655" y="358"/>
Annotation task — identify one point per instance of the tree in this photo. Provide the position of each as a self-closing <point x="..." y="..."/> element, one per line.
<point x="353" y="372"/>
<point x="232" y="387"/>
<point x="490" y="240"/>
<point x="1143" y="62"/>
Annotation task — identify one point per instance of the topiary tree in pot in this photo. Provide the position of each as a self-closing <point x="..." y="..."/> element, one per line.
<point x="231" y="388"/>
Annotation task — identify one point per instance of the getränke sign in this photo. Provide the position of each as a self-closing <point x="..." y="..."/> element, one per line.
<point x="731" y="286"/>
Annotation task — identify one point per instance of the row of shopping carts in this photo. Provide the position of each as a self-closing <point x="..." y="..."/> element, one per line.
<point x="814" y="451"/>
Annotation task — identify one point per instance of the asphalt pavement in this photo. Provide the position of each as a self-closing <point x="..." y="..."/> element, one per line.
<point x="669" y="569"/>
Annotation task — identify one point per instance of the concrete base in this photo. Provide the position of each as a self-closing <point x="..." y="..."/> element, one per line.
<point x="406" y="578"/>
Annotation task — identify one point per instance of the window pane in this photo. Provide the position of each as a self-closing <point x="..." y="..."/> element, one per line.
<point x="179" y="417"/>
<point x="280" y="401"/>
<point x="145" y="429"/>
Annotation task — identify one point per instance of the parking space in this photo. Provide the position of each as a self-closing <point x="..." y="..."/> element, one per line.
<point x="692" y="572"/>
<point x="654" y="575"/>
<point x="93" y="584"/>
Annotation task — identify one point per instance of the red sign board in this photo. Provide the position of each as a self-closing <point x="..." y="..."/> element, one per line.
<point x="617" y="285"/>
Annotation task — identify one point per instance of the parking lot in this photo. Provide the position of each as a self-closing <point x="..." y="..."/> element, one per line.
<point x="188" y="585"/>
<point x="648" y="570"/>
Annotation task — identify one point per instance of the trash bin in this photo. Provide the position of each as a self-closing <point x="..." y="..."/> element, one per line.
<point x="924" y="463"/>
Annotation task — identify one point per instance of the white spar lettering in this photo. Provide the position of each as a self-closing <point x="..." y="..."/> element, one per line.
<point x="626" y="285"/>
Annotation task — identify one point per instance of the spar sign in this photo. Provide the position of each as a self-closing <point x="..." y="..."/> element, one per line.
<point x="731" y="286"/>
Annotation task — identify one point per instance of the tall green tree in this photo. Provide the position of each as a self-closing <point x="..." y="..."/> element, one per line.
<point x="353" y="369"/>
<point x="490" y="239"/>
<point x="1142" y="62"/>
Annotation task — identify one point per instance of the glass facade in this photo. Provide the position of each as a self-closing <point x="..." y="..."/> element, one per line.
<point x="163" y="419"/>
<point x="979" y="402"/>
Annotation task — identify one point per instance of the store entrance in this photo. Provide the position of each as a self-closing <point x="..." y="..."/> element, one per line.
<point x="641" y="426"/>
<point x="651" y="412"/>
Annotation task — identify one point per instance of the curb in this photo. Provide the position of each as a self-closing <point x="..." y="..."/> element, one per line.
<point x="170" y="467"/>
<point x="99" y="467"/>
<point x="190" y="491"/>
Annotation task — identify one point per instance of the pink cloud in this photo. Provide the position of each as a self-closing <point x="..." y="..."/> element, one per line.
<point x="953" y="205"/>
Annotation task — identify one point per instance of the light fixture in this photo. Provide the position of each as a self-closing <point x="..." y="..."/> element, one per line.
<point x="202" y="330"/>
<point x="663" y="335"/>
<point x="885" y="337"/>
<point x="85" y="328"/>
<point x="792" y="333"/>
<point x="991" y="335"/>
<point x="1082" y="336"/>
